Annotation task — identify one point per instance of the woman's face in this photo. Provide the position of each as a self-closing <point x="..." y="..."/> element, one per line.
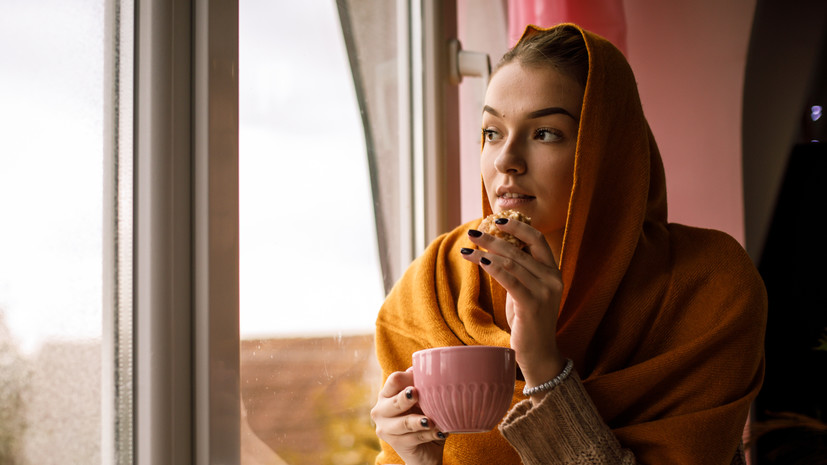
<point x="530" y="122"/>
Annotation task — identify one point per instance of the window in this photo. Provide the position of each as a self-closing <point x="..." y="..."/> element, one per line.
<point x="51" y="191"/>
<point x="347" y="147"/>
<point x="310" y="278"/>
<point x="120" y="177"/>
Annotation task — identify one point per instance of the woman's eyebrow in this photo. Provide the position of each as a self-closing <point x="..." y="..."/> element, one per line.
<point x="487" y="109"/>
<point x="535" y="114"/>
<point x="550" y="111"/>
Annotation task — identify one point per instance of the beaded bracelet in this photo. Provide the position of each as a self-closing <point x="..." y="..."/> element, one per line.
<point x="550" y="384"/>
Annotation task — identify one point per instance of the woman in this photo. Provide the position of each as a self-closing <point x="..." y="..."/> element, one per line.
<point x="662" y="323"/>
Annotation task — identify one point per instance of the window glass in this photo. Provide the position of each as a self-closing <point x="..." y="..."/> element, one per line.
<point x="310" y="279"/>
<point x="51" y="131"/>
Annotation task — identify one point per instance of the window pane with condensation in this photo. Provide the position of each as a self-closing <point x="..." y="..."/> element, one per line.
<point x="51" y="135"/>
<point x="311" y="281"/>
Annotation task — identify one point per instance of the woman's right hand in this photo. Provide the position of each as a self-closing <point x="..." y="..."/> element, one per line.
<point x="400" y="422"/>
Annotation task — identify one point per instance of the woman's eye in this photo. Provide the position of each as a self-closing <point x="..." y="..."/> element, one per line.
<point x="547" y="135"/>
<point x="490" y="135"/>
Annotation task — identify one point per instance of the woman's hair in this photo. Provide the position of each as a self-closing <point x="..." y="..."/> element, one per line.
<point x="561" y="47"/>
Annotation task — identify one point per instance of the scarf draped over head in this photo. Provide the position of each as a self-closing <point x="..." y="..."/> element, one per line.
<point x="664" y="322"/>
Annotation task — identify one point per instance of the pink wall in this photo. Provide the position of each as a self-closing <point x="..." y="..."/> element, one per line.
<point x="689" y="60"/>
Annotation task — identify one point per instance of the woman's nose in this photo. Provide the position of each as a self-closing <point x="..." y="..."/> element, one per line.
<point x="510" y="159"/>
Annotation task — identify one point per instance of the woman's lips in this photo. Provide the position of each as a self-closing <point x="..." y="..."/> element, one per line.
<point x="508" y="201"/>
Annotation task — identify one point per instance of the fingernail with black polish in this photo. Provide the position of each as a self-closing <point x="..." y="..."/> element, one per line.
<point x="485" y="261"/>
<point x="474" y="233"/>
<point x="466" y="251"/>
<point x="501" y="220"/>
<point x="440" y="435"/>
<point x="409" y="393"/>
<point x="424" y="422"/>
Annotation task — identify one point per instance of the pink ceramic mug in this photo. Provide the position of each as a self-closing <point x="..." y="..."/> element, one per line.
<point x="465" y="389"/>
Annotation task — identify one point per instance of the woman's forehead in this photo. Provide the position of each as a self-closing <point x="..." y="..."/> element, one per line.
<point x="516" y="90"/>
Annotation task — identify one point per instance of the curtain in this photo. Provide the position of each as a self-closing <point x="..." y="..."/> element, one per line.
<point x="603" y="17"/>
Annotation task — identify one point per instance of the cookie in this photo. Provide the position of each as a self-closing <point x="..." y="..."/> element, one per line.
<point x="488" y="226"/>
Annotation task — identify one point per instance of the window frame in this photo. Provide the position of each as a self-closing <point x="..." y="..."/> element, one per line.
<point x="184" y="275"/>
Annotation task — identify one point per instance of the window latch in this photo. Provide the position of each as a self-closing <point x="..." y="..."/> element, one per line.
<point x="467" y="63"/>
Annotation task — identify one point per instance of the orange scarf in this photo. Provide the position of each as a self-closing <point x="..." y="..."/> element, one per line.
<point x="665" y="323"/>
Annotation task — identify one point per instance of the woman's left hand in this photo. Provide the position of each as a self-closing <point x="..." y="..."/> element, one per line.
<point x="534" y="286"/>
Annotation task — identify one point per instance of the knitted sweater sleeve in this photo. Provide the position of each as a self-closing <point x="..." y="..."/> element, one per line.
<point x="563" y="428"/>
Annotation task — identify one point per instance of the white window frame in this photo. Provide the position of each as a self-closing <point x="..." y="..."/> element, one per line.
<point x="435" y="121"/>
<point x="184" y="276"/>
